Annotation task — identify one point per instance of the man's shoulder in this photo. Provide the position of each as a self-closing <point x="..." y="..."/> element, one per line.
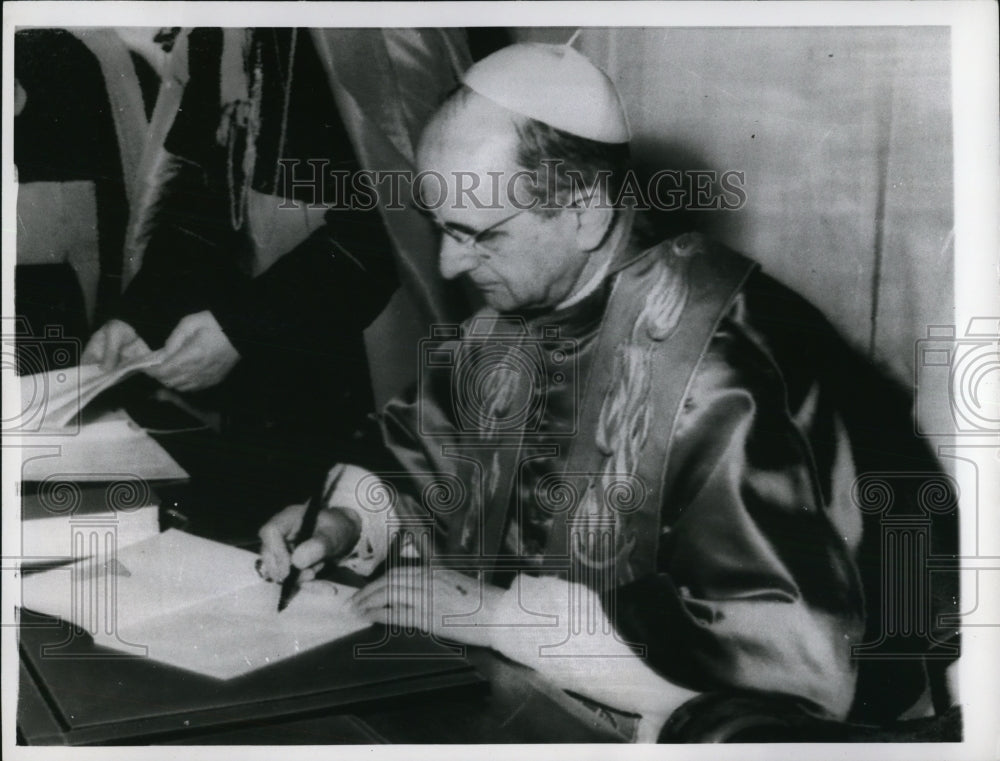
<point x="755" y="321"/>
<point x="684" y="246"/>
<point x="693" y="255"/>
<point x="775" y="305"/>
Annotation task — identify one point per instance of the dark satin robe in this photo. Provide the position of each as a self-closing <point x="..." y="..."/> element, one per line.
<point x="761" y="581"/>
<point x="304" y="378"/>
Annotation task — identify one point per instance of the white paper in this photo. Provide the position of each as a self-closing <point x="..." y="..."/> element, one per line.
<point x="111" y="445"/>
<point x="48" y="538"/>
<point x="192" y="603"/>
<point x="243" y="631"/>
<point x="63" y="393"/>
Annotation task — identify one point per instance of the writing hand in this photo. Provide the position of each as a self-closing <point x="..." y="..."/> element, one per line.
<point x="337" y="531"/>
<point x="414" y="596"/>
<point x="113" y="343"/>
<point x="197" y="355"/>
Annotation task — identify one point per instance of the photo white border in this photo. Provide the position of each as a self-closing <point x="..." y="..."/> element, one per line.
<point x="977" y="293"/>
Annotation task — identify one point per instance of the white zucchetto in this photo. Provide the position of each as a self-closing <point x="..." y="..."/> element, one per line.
<point x="553" y="84"/>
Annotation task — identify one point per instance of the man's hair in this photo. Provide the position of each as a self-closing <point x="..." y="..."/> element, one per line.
<point x="563" y="163"/>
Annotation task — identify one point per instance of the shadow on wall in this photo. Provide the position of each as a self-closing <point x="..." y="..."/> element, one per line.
<point x="844" y="137"/>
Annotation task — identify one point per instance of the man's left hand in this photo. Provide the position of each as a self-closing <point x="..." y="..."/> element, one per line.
<point x="416" y="597"/>
<point x="197" y="355"/>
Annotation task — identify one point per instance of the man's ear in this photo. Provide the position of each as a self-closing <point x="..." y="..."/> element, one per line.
<point x="593" y="223"/>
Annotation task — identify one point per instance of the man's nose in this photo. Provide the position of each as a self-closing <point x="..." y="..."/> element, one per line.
<point x="455" y="258"/>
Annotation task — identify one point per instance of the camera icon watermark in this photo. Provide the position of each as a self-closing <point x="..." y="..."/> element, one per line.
<point x="497" y="375"/>
<point x="43" y="367"/>
<point x="957" y="381"/>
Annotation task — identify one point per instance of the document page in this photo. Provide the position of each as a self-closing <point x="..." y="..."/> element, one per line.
<point x="60" y="394"/>
<point x="243" y="631"/>
<point x="161" y="575"/>
<point x="191" y="603"/>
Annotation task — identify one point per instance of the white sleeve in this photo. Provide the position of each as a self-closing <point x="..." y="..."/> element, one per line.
<point x="560" y="629"/>
<point x="363" y="493"/>
<point x="556" y="627"/>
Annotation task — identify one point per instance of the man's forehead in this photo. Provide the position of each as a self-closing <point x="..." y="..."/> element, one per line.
<point x="458" y="153"/>
<point x="469" y="128"/>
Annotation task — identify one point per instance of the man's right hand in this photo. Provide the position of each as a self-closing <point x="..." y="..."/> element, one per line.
<point x="337" y="531"/>
<point x="113" y="343"/>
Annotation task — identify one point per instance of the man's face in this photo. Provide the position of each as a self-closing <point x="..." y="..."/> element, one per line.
<point x="528" y="261"/>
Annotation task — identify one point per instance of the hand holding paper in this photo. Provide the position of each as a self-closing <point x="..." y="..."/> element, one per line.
<point x="114" y="343"/>
<point x="197" y="355"/>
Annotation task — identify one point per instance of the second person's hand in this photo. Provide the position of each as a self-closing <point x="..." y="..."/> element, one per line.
<point x="113" y="343"/>
<point x="197" y="355"/>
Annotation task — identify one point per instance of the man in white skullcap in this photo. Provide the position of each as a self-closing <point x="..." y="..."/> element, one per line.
<point x="648" y="474"/>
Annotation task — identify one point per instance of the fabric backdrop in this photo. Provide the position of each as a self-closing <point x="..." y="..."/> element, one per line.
<point x="845" y="138"/>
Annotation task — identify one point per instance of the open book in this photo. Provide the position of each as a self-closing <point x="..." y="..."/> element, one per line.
<point x="55" y="398"/>
<point x="192" y="603"/>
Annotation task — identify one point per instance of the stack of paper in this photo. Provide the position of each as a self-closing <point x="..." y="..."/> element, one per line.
<point x="105" y="449"/>
<point x="192" y="603"/>
<point x="55" y="517"/>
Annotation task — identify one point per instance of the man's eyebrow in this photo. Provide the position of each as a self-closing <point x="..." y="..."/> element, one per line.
<point x="464" y="229"/>
<point x="456" y="226"/>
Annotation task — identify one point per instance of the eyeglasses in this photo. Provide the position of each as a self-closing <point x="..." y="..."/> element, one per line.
<point x="464" y="236"/>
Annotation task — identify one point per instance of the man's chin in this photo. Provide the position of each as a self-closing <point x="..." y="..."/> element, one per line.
<point x="500" y="299"/>
<point x="497" y="299"/>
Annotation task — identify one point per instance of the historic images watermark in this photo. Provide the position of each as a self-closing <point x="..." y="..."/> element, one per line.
<point x="320" y="184"/>
<point x="957" y="380"/>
